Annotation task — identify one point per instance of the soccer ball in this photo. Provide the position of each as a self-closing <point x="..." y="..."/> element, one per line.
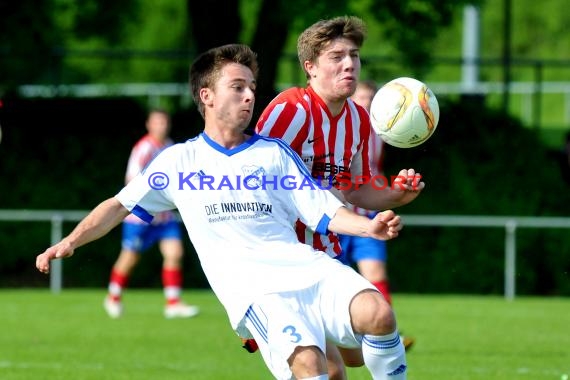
<point x="404" y="112"/>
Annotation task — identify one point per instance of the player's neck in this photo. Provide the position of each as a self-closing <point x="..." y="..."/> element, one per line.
<point x="335" y="108"/>
<point x="159" y="139"/>
<point x="334" y="105"/>
<point x="228" y="138"/>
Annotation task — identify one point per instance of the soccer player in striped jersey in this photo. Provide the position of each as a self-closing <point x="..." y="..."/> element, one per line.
<point x="331" y="132"/>
<point x="139" y="236"/>
<point x="290" y="297"/>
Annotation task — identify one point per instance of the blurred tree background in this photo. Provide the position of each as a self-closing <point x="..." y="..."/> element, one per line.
<point x="71" y="153"/>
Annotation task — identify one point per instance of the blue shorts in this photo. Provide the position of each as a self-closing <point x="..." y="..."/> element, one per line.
<point x="356" y="248"/>
<point x="139" y="237"/>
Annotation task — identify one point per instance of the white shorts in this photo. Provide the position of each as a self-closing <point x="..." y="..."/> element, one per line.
<point x="280" y="322"/>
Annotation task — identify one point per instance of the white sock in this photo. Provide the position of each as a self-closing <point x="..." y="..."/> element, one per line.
<point x="385" y="356"/>
<point x="320" y="377"/>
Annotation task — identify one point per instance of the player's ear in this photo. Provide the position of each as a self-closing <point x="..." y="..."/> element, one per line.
<point x="310" y="68"/>
<point x="207" y="96"/>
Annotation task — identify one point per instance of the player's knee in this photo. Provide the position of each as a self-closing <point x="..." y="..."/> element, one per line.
<point x="383" y="321"/>
<point x="307" y="361"/>
<point x="336" y="373"/>
<point x="372" y="314"/>
<point x="173" y="256"/>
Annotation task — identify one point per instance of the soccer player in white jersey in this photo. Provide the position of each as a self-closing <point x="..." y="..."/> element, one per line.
<point x="330" y="132"/>
<point x="239" y="207"/>
<point x="139" y="236"/>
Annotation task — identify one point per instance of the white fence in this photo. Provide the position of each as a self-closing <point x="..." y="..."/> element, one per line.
<point x="509" y="223"/>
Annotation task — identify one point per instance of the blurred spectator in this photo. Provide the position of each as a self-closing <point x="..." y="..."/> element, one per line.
<point x="138" y="236"/>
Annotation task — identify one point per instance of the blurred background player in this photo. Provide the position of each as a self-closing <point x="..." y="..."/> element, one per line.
<point x="139" y="236"/>
<point x="369" y="255"/>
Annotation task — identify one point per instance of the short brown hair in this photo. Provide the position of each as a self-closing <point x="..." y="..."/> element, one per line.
<point x="207" y="68"/>
<point x="315" y="38"/>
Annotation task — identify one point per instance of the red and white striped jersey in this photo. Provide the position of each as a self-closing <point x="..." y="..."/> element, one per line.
<point x="143" y="152"/>
<point x="330" y="146"/>
<point x="376" y="161"/>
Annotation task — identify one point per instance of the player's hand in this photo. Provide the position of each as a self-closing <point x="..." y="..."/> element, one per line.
<point x="386" y="225"/>
<point x="58" y="251"/>
<point x="407" y="186"/>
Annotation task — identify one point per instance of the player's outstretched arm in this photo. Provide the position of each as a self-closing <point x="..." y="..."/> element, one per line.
<point x="98" y="223"/>
<point x="402" y="189"/>
<point x="386" y="225"/>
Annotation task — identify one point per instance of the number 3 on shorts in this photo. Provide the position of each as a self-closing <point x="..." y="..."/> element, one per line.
<point x="295" y="336"/>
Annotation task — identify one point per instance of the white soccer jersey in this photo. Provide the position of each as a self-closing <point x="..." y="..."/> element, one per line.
<point x="244" y="235"/>
<point x="329" y="146"/>
<point x="142" y="153"/>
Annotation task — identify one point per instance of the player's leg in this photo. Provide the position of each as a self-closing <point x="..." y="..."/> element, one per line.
<point x="382" y="350"/>
<point x="371" y="256"/>
<point x="335" y="363"/>
<point x="123" y="267"/>
<point x="172" y="250"/>
<point x="290" y="334"/>
<point x="357" y="315"/>
<point x="338" y="357"/>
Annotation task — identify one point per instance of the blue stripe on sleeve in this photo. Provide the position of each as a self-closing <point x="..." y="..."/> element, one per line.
<point x="142" y="214"/>
<point x="323" y="226"/>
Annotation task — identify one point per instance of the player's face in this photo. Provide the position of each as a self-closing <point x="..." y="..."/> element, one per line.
<point x="234" y="96"/>
<point x="158" y="125"/>
<point x="363" y="96"/>
<point x="335" y="74"/>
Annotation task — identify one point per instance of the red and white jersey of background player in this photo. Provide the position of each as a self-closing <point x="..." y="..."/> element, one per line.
<point x="329" y="146"/>
<point x="144" y="151"/>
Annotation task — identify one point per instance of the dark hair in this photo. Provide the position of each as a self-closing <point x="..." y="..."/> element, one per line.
<point x="315" y="38"/>
<point x="207" y="68"/>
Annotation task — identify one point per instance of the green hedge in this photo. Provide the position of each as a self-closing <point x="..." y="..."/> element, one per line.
<point x="481" y="163"/>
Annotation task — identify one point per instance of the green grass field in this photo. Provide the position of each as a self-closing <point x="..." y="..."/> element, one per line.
<point x="68" y="336"/>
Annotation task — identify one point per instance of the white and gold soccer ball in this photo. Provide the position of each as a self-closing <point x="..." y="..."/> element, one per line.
<point x="404" y="112"/>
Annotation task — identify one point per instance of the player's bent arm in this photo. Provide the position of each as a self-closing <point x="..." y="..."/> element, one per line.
<point x="384" y="226"/>
<point x="102" y="219"/>
<point x="402" y="189"/>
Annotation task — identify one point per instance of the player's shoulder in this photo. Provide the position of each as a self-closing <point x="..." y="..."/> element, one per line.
<point x="143" y="143"/>
<point x="276" y="144"/>
<point x="287" y="105"/>
<point x="176" y="149"/>
<point x="293" y="95"/>
<point x="266" y="140"/>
